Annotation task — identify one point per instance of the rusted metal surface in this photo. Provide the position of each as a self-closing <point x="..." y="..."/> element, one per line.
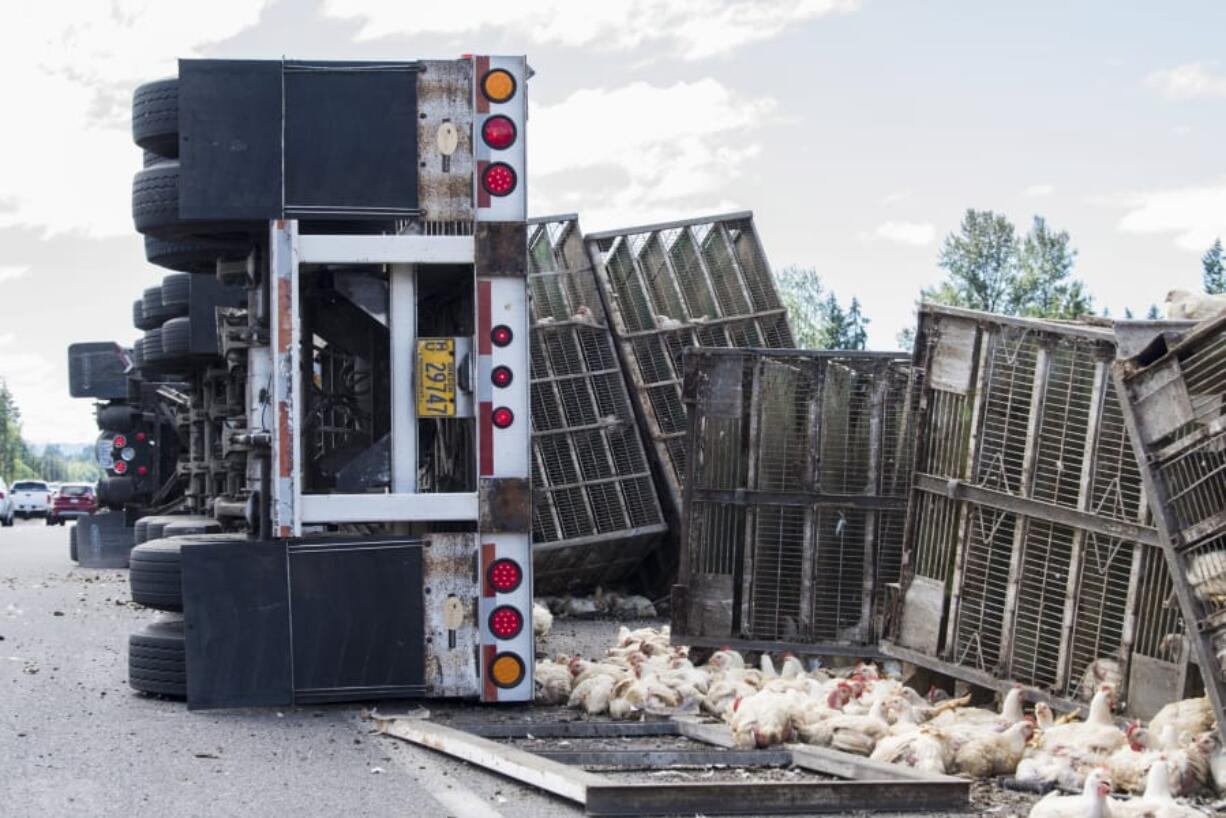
<point x="500" y="248"/>
<point x="1173" y="400"/>
<point x="504" y="504"/>
<point x="795" y="497"/>
<point x="870" y="786"/>
<point x="1029" y="553"/>
<point x="451" y="635"/>
<point x="596" y="514"/>
<point x="701" y="282"/>
<point x="445" y="184"/>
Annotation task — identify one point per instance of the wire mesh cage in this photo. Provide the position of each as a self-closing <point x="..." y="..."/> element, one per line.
<point x="1030" y="555"/>
<point x="1173" y="397"/>
<point x="596" y="514"/>
<point x="795" y="496"/>
<point x="695" y="283"/>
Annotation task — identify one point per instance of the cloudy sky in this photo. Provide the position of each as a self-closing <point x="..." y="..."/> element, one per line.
<point x="857" y="131"/>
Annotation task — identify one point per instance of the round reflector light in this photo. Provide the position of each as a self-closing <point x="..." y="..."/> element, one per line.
<point x="119" y="442"/>
<point x="128" y="453"/>
<point x="498" y="132"/>
<point x="501" y="335"/>
<point x="120" y="467"/>
<point x="140" y="437"/>
<point x="498" y="179"/>
<point x="506" y="622"/>
<point x="142" y="470"/>
<point x="503" y="417"/>
<point x="498" y="85"/>
<point x="505" y="575"/>
<point x="507" y="670"/>
<point x="501" y="376"/>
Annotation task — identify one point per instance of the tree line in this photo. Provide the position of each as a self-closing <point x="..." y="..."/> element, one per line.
<point x="21" y="461"/>
<point x="989" y="266"/>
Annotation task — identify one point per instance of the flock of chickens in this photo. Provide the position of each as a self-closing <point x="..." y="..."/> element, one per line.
<point x="859" y="710"/>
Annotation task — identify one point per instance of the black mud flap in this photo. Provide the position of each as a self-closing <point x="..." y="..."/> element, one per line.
<point x="276" y="623"/>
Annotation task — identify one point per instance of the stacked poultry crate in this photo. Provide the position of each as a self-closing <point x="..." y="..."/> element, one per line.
<point x="596" y="515"/>
<point x="701" y="282"/>
<point x="1029" y="552"/>
<point x="1173" y="397"/>
<point x="795" y="495"/>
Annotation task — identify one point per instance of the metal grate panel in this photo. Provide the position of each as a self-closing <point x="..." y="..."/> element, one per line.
<point x="794" y="504"/>
<point x="695" y="283"/>
<point x="596" y="514"/>
<point x="1027" y="529"/>
<point x="1173" y="402"/>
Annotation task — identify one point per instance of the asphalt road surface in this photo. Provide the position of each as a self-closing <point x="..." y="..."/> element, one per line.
<point x="76" y="740"/>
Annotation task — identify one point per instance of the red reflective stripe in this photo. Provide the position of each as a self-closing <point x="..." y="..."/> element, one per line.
<point x="487" y="557"/>
<point x="483" y="195"/>
<point x="491" y="692"/>
<point x="486" y="433"/>
<point x="485" y="324"/>
<point x="483" y="68"/>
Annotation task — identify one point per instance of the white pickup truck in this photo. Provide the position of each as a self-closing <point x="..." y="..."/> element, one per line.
<point x="31" y="498"/>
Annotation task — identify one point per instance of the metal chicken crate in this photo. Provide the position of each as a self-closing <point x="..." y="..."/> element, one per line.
<point x="596" y="515"/>
<point x="795" y="497"/>
<point x="1029" y="555"/>
<point x="1173" y="396"/>
<point x="701" y="282"/>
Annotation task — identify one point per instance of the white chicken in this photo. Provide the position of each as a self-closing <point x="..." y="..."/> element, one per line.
<point x="851" y="734"/>
<point x="989" y="753"/>
<point x="1062" y="766"/>
<point x="542" y="620"/>
<point x="641" y="694"/>
<point x="1097" y="734"/>
<point x="552" y="682"/>
<point x="592" y="694"/>
<point x="1157" y="802"/>
<point x="1091" y="803"/>
<point x="1189" y="306"/>
<point x="1189" y="716"/>
<point x="924" y="749"/>
<point x="764" y="719"/>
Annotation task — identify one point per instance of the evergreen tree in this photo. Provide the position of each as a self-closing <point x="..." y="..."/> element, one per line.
<point x="1214" y="273"/>
<point x="1152" y="313"/>
<point x="857" y="327"/>
<point x="834" y="324"/>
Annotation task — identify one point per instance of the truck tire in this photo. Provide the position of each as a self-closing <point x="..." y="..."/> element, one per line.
<point x="177" y="291"/>
<point x="113" y="492"/>
<point x="149" y="159"/>
<point x="138" y="315"/>
<point x="151" y="346"/>
<point x="155" y="576"/>
<point x="157" y="659"/>
<point x="72" y="543"/>
<point x="157" y="311"/>
<point x="177" y="338"/>
<point x="195" y="256"/>
<point x="155" y="211"/>
<point x="155" y="117"/>
<point x="118" y="418"/>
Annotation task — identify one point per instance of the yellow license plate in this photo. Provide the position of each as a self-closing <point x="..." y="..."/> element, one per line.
<point x="436" y="378"/>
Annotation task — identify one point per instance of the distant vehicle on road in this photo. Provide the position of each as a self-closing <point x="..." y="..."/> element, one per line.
<point x="6" y="505"/>
<point x="71" y="501"/>
<point x="31" y="498"/>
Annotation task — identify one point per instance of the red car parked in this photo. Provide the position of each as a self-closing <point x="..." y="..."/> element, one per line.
<point x="71" y="501"/>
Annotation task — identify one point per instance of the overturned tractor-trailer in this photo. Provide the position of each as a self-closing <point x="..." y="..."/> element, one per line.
<point x="337" y="378"/>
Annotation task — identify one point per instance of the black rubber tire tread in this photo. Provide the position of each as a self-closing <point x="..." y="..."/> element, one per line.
<point x="155" y="200"/>
<point x="177" y="337"/>
<point x="117" y="418"/>
<point x="158" y="311"/>
<point x="161" y="643"/>
<point x="154" y="571"/>
<point x="115" y="491"/>
<point x="177" y="290"/>
<point x="151" y="346"/>
<point x="138" y="315"/>
<point x="155" y="117"/>
<point x="197" y="256"/>
<point x="149" y="159"/>
<point x="72" y="543"/>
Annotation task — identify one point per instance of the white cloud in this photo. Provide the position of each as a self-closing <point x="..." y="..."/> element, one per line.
<point x="69" y="70"/>
<point x="1040" y="190"/>
<point x="1188" y="81"/>
<point x="11" y="273"/>
<point x="691" y="139"/>
<point x="1194" y="215"/>
<point x="917" y="233"/>
<point x="694" y="29"/>
<point x="895" y="196"/>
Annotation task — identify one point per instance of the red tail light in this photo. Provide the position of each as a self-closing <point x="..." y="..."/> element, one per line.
<point x="140" y="437"/>
<point x="501" y="335"/>
<point x="505" y="575"/>
<point x="506" y="622"/>
<point x="142" y="471"/>
<point x="120" y="467"/>
<point x="498" y="179"/>
<point x="498" y="132"/>
<point x="119" y="442"/>
<point x="501" y="376"/>
<point x="503" y="417"/>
